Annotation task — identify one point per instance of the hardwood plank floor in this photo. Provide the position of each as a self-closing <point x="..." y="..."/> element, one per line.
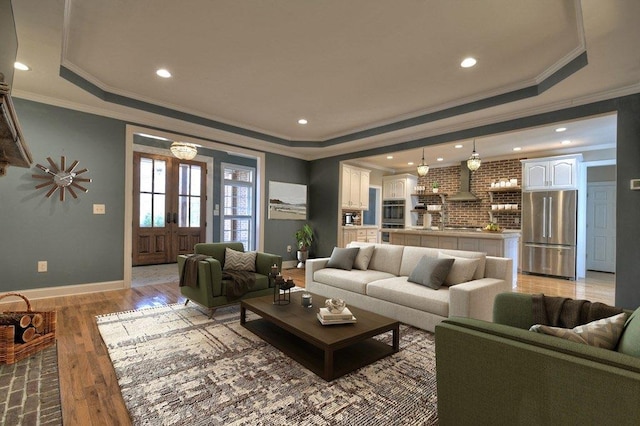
<point x="89" y="388"/>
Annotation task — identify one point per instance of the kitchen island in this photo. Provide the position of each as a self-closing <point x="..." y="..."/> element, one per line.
<point x="501" y="244"/>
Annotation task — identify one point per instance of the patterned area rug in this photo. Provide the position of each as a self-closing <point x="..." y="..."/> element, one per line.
<point x="176" y="366"/>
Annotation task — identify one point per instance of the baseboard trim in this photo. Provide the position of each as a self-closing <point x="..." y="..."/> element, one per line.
<point x="67" y="290"/>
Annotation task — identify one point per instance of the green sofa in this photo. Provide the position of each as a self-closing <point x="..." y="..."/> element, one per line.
<point x="499" y="373"/>
<point x="211" y="289"/>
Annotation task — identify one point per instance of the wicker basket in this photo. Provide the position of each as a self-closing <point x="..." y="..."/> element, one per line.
<point x="11" y="352"/>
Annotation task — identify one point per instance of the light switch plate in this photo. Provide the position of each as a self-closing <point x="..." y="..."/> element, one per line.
<point x="99" y="209"/>
<point x="635" y="184"/>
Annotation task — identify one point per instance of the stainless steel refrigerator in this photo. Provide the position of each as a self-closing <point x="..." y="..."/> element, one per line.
<point x="549" y="233"/>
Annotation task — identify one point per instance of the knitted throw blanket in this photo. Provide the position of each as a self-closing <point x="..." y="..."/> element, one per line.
<point x="238" y="283"/>
<point x="189" y="275"/>
<point x="568" y="313"/>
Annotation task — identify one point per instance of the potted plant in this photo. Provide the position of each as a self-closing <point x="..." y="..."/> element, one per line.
<point x="435" y="187"/>
<point x="304" y="237"/>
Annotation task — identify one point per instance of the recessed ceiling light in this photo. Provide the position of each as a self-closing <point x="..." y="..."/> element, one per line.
<point x="20" y="66"/>
<point x="565" y="142"/>
<point x="389" y="157"/>
<point x="561" y="129"/>
<point x="468" y="62"/>
<point x="517" y="148"/>
<point x="410" y="163"/>
<point x="457" y="146"/>
<point x="163" y="73"/>
<point x="302" y="121"/>
<point x="439" y="159"/>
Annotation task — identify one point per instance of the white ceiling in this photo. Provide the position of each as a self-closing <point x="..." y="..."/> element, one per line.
<point x="346" y="66"/>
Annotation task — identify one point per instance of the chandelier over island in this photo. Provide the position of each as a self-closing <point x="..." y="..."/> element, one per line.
<point x="423" y="168"/>
<point x="474" y="162"/>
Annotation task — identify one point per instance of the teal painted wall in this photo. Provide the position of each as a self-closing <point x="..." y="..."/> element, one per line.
<point x="278" y="233"/>
<point x="80" y="247"/>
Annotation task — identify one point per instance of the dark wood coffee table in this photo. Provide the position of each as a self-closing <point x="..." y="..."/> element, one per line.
<point x="330" y="351"/>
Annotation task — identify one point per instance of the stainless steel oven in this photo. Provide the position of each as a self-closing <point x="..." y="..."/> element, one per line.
<point x="393" y="211"/>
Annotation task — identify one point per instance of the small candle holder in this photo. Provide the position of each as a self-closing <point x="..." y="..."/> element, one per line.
<point x="282" y="290"/>
<point x="307" y="300"/>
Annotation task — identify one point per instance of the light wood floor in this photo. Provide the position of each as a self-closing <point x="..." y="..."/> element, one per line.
<point x="89" y="388"/>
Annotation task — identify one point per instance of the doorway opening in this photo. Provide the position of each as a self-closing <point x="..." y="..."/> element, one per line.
<point x="168" y="207"/>
<point x="601" y="219"/>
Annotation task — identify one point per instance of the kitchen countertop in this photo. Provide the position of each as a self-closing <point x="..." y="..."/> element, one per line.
<point x="470" y="233"/>
<point x="360" y="227"/>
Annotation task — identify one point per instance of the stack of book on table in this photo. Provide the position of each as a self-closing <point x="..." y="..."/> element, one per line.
<point x="327" y="318"/>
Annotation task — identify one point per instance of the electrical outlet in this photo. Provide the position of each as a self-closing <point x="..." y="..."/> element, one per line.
<point x="516" y="220"/>
<point x="42" y="266"/>
<point x="288" y="249"/>
<point x="99" y="209"/>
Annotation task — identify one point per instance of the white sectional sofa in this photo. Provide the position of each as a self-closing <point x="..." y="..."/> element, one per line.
<point x="383" y="286"/>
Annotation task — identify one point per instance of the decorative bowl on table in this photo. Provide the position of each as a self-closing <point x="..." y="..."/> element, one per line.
<point x="335" y="306"/>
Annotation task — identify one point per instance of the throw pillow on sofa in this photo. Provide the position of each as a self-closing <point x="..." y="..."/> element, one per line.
<point x="462" y="269"/>
<point x="431" y="272"/>
<point x="602" y="333"/>
<point x="343" y="258"/>
<point x="238" y="261"/>
<point x="363" y="258"/>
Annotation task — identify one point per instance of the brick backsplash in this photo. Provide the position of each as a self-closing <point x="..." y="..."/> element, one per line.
<point x="474" y="213"/>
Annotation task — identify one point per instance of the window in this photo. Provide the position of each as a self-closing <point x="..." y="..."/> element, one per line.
<point x="189" y="196"/>
<point x="238" y="205"/>
<point x="152" y="192"/>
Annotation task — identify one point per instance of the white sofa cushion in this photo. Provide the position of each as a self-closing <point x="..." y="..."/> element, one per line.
<point x="402" y="292"/>
<point x="387" y="258"/>
<point x="412" y="255"/>
<point x="364" y="255"/>
<point x="461" y="271"/>
<point x="354" y="280"/>
<point x="471" y="255"/>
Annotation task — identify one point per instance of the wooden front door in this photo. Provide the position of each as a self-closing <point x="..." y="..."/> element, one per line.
<point x="169" y="208"/>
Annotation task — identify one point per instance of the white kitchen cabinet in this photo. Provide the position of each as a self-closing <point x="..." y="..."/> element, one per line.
<point x="398" y="187"/>
<point x="551" y="173"/>
<point x="355" y="188"/>
<point x="349" y="235"/>
<point x="362" y="235"/>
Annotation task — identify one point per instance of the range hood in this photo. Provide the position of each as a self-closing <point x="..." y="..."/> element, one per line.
<point x="464" y="193"/>
<point x="13" y="148"/>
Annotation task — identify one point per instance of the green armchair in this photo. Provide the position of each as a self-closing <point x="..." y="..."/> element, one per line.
<point x="211" y="289"/>
<point x="502" y="374"/>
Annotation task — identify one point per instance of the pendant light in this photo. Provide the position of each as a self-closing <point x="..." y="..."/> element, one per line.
<point x="473" y="163"/>
<point x="423" y="168"/>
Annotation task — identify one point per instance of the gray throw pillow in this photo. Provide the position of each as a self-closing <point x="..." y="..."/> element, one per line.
<point x="343" y="258"/>
<point x="431" y="272"/>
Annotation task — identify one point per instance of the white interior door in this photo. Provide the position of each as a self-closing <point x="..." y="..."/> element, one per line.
<point x="601" y="226"/>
